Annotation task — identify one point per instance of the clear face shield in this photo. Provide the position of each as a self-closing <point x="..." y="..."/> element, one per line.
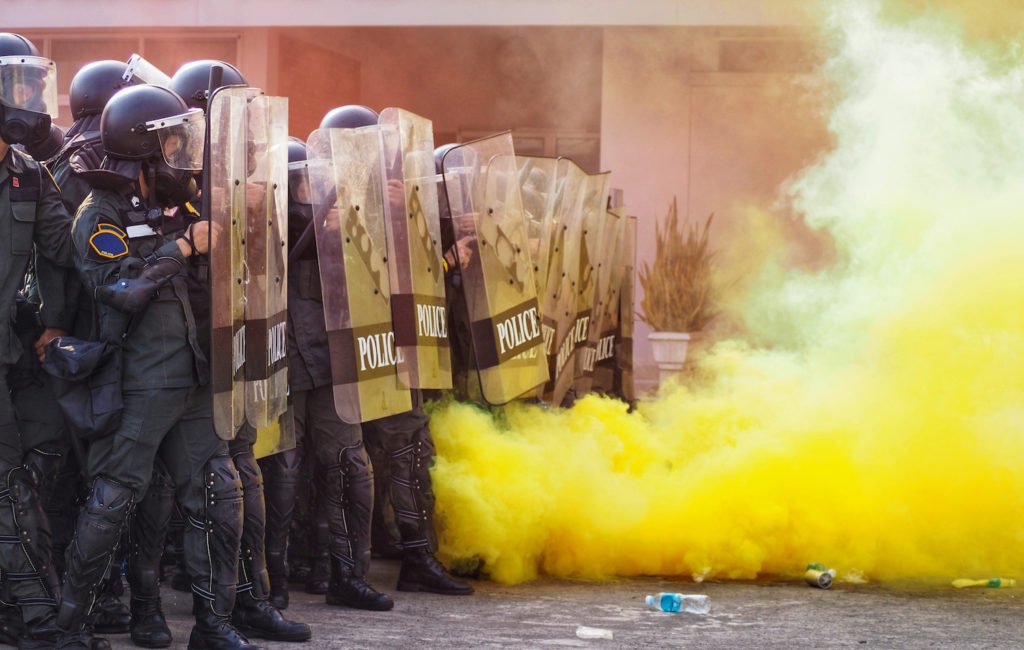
<point x="182" y="139"/>
<point x="29" y="83"/>
<point x="301" y="173"/>
<point x="141" y="70"/>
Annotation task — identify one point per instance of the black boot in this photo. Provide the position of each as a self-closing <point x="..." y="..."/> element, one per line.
<point x="261" y="620"/>
<point x="96" y="540"/>
<point x="147" y="532"/>
<point x="10" y="625"/>
<point x="253" y="614"/>
<point x="81" y="640"/>
<point x="213" y="631"/>
<point x="385" y="540"/>
<point x="413" y="498"/>
<point x="421" y="571"/>
<point x="281" y="474"/>
<point x="149" y="627"/>
<point x="319" y="573"/>
<point x="349" y="590"/>
<point x="212" y="541"/>
<point x="109" y="614"/>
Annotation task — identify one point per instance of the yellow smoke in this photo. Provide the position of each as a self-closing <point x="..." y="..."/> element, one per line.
<point x="875" y="419"/>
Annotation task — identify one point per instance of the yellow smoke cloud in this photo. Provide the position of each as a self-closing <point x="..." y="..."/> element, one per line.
<point x="875" y="419"/>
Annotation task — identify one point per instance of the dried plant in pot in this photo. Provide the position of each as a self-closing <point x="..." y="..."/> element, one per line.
<point x="677" y="289"/>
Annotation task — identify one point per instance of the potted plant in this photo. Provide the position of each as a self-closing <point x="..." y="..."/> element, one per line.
<point x="677" y="289"/>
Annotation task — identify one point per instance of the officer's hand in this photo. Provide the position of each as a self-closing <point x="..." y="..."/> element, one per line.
<point x="465" y="251"/>
<point x="396" y="195"/>
<point x="255" y="195"/>
<point x="48" y="335"/>
<point x="204" y="235"/>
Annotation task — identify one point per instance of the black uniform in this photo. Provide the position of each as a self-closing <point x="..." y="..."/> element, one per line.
<point x="32" y="215"/>
<point x="167" y="411"/>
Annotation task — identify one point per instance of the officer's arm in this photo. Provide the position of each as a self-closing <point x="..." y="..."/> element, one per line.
<point x="58" y="288"/>
<point x="53" y="224"/>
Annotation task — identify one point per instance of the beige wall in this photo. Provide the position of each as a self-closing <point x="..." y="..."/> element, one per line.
<point x="718" y="117"/>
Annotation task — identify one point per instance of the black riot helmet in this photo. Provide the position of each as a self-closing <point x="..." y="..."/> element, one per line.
<point x="439" y="155"/>
<point x="296" y="150"/>
<point x="28" y="91"/>
<point x="352" y="116"/>
<point x="151" y="128"/>
<point x="16" y="45"/>
<point x="192" y="80"/>
<point x="94" y="85"/>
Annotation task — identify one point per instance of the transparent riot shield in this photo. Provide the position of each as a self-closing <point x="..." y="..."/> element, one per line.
<point x="346" y="187"/>
<point x="544" y="190"/>
<point x="606" y="306"/>
<point x="538" y="185"/>
<point x="481" y="184"/>
<point x="561" y="331"/>
<point x="414" y="242"/>
<point x="266" y="294"/>
<point x="226" y="209"/>
<point x="593" y="204"/>
<point x="624" y="386"/>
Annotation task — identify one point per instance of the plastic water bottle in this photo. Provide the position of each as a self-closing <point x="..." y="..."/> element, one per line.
<point x="671" y="602"/>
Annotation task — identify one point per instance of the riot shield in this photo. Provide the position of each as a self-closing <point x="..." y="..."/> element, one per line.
<point x="563" y="271"/>
<point x="346" y="187"/>
<point x="624" y="386"/>
<point x="225" y="205"/>
<point x="481" y="184"/>
<point x="538" y="185"/>
<point x="266" y="294"/>
<point x="593" y="204"/>
<point x="606" y="307"/>
<point x="416" y="269"/>
<point x="542" y="190"/>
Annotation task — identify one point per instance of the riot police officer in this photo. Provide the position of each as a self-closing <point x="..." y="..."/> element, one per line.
<point x="34" y="219"/>
<point x="253" y="612"/>
<point x="340" y="446"/>
<point x="81" y="150"/>
<point x="152" y="144"/>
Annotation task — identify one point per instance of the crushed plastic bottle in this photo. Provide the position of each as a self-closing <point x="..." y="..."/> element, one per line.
<point x="673" y="602"/>
<point x="584" y="632"/>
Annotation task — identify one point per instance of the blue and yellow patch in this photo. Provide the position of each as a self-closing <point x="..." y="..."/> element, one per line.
<point x="109" y="241"/>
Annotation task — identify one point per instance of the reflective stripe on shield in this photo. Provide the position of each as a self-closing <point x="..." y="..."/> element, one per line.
<point x="482" y="187"/>
<point x="266" y="294"/>
<point x="344" y="169"/>
<point x="414" y="238"/>
<point x="227" y="173"/>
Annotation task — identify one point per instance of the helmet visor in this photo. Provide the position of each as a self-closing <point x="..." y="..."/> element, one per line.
<point x="139" y="69"/>
<point x="301" y="175"/>
<point x="29" y="83"/>
<point x="182" y="139"/>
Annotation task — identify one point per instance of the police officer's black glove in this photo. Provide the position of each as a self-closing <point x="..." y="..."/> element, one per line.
<point x="132" y="295"/>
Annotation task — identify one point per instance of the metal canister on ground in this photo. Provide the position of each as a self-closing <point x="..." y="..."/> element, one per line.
<point x="818" y="576"/>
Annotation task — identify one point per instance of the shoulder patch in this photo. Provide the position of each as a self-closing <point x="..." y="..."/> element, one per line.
<point x="108" y="241"/>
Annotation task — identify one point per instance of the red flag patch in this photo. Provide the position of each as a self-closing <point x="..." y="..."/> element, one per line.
<point x="15" y="182"/>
